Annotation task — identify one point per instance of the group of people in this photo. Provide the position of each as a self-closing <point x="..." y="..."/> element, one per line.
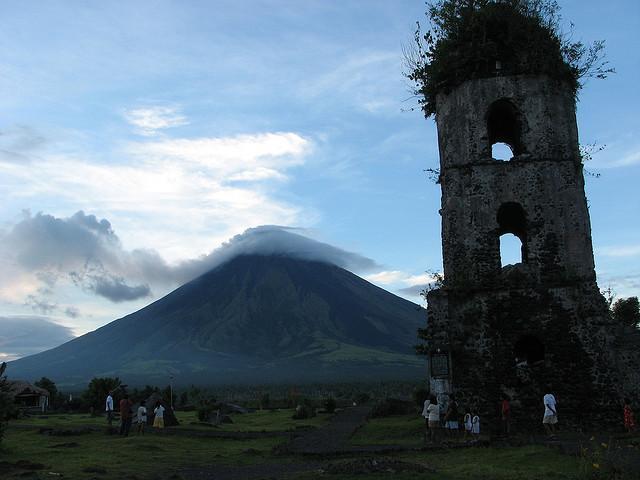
<point x="436" y="419"/>
<point x="126" y="414"/>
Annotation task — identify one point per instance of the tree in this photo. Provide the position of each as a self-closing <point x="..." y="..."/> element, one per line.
<point x="471" y="39"/>
<point x="50" y="387"/>
<point x="6" y="402"/>
<point x="627" y="311"/>
<point x="97" y="391"/>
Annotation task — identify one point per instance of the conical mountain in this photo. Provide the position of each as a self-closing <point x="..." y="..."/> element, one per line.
<point x="254" y="319"/>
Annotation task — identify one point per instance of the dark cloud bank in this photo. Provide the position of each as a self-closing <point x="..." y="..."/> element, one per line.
<point x="25" y="335"/>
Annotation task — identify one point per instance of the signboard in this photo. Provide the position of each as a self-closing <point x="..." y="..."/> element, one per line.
<point x="439" y="365"/>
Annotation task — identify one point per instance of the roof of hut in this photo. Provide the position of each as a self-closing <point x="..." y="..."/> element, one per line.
<point x="22" y="387"/>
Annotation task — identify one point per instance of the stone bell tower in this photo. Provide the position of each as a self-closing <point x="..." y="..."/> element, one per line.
<point x="542" y="322"/>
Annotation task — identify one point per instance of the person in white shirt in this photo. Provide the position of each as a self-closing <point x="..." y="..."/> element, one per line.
<point x="468" y="424"/>
<point x="425" y="414"/>
<point x="142" y="417"/>
<point x="108" y="407"/>
<point x="475" y="426"/>
<point x="434" y="418"/>
<point x="550" y="418"/>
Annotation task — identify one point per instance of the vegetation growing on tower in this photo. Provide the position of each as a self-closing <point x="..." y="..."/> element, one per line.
<point x="471" y="39"/>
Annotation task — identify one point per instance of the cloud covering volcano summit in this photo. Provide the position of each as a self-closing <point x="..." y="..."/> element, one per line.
<point x="88" y="252"/>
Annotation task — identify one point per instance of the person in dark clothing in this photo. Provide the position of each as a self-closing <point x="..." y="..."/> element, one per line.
<point x="451" y="417"/>
<point x="125" y="416"/>
<point x="505" y="415"/>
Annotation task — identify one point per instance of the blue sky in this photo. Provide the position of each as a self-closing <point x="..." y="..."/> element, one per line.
<point x="174" y="126"/>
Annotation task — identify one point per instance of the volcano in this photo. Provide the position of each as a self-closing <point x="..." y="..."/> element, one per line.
<point x="255" y="319"/>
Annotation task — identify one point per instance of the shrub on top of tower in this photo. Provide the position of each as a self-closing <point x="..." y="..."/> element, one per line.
<point x="471" y="39"/>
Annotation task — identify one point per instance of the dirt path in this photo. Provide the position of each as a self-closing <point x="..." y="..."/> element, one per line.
<point x="332" y="437"/>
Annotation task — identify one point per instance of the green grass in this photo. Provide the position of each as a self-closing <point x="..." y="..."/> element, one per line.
<point x="145" y="455"/>
<point x="139" y="455"/>
<point x="522" y="463"/>
<point x="151" y="455"/>
<point x="258" y="421"/>
<point x="63" y="421"/>
<point x="406" y="430"/>
<point x="514" y="463"/>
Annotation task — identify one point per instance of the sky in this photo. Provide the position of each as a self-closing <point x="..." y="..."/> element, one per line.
<point x="140" y="142"/>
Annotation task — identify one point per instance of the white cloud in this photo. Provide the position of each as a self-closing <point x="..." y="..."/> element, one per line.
<point x="148" y="120"/>
<point x="386" y="277"/>
<point x="366" y="79"/>
<point x="616" y="154"/>
<point x="622" y="285"/>
<point x="257" y="174"/>
<point x="395" y="277"/>
<point x="227" y="155"/>
<point x="630" y="158"/>
<point x="178" y="196"/>
<point x="619" y="251"/>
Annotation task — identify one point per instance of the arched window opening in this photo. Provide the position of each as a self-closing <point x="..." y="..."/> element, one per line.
<point x="528" y="350"/>
<point x="503" y="127"/>
<point x="510" y="250"/>
<point x="501" y="151"/>
<point x="512" y="220"/>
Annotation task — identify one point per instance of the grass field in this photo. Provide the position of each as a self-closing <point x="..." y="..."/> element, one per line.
<point x="156" y="456"/>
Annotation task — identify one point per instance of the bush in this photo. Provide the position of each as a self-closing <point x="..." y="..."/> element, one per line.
<point x="627" y="311"/>
<point x="330" y="405"/>
<point x="7" y="408"/>
<point x="306" y="410"/>
<point x="468" y="37"/>
<point x="97" y="390"/>
<point x="206" y="406"/>
<point x="420" y="395"/>
<point x="362" y="398"/>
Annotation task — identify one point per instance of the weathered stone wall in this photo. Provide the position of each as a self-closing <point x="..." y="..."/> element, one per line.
<point x="548" y="121"/>
<point x="627" y="347"/>
<point x="546" y="180"/>
<point x="541" y="323"/>
<point x="572" y="326"/>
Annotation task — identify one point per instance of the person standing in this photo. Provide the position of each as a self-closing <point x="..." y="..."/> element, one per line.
<point x="451" y="417"/>
<point x="468" y="424"/>
<point x="158" y="421"/>
<point x="505" y="415"/>
<point x="434" y="418"/>
<point x="425" y="414"/>
<point x="629" y="418"/>
<point x="142" y="417"/>
<point x="109" y="408"/>
<point x="475" y="426"/>
<point x="125" y="415"/>
<point x="550" y="418"/>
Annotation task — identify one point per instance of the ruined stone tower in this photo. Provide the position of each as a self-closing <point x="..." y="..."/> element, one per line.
<point x="541" y="323"/>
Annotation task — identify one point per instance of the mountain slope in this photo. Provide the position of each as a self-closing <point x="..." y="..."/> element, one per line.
<point x="253" y="319"/>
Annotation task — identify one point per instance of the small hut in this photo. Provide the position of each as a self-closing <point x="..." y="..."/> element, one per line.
<point x="170" y="419"/>
<point x="28" y="397"/>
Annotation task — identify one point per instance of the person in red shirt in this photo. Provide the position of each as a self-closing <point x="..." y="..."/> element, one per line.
<point x="629" y="418"/>
<point x="505" y="414"/>
<point x="125" y="415"/>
